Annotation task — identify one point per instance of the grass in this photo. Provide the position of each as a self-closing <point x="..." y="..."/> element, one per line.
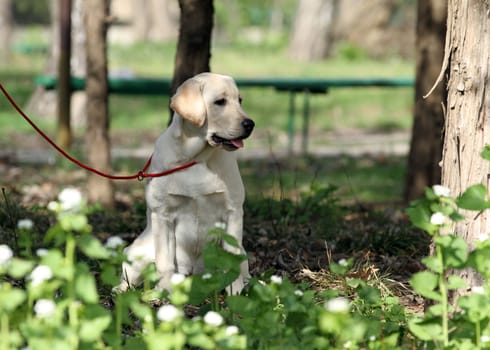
<point x="358" y="180"/>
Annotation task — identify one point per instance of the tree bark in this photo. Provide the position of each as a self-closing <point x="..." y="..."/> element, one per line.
<point x="78" y="64"/>
<point x="194" y="45"/>
<point x="467" y="124"/>
<point x="425" y="154"/>
<point x="312" y="33"/>
<point x="63" y="136"/>
<point x="100" y="189"/>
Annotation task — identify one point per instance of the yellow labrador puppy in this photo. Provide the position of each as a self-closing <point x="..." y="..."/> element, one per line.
<point x="208" y="124"/>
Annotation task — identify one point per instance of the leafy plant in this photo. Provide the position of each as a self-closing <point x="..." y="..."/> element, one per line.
<point x="463" y="324"/>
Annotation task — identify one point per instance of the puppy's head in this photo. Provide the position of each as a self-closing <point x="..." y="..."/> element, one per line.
<point x="212" y="102"/>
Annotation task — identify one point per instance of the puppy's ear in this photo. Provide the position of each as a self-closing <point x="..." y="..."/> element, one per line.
<point x="189" y="103"/>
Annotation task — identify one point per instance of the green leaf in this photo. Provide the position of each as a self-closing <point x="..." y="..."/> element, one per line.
<point x="109" y="275"/>
<point x="19" y="268"/>
<point x="420" y="217"/>
<point x="433" y="264"/>
<point x="369" y="294"/>
<point x="96" y="320"/>
<point x="230" y="240"/>
<point x="10" y="298"/>
<point x="476" y="306"/>
<point x="142" y="311"/>
<point x="455" y="282"/>
<point x="241" y="305"/>
<point x="425" y="283"/>
<point x="479" y="259"/>
<point x="202" y="341"/>
<point x="92" y="247"/>
<point x="455" y="250"/>
<point x="485" y="154"/>
<point x="74" y="222"/>
<point x="85" y="286"/>
<point x="426" y="329"/>
<point x="474" y="198"/>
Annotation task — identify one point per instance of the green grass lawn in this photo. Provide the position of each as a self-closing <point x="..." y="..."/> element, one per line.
<point x="369" y="109"/>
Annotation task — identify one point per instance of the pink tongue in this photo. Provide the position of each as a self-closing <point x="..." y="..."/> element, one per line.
<point x="237" y="143"/>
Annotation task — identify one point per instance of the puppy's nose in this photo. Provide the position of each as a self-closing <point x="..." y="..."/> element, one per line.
<point x="248" y="125"/>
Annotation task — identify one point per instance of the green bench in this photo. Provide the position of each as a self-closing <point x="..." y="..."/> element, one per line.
<point x="306" y="86"/>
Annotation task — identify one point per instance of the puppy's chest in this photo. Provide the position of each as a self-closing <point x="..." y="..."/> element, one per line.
<point x="197" y="186"/>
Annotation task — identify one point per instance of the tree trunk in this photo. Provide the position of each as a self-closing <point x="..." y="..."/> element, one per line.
<point x="6" y="25"/>
<point x="100" y="189"/>
<point x="43" y="102"/>
<point x="64" y="136"/>
<point x="312" y="33"/>
<point x="78" y="64"/>
<point x="467" y="125"/>
<point x="141" y="19"/>
<point x="194" y="45"/>
<point x="423" y="167"/>
<point x="164" y="20"/>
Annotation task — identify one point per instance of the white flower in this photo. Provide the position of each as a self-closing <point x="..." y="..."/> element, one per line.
<point x="298" y="293"/>
<point x="44" y="308"/>
<point x="337" y="305"/>
<point x="485" y="339"/>
<point x="347" y="344"/>
<point x="478" y="290"/>
<point x="168" y="313"/>
<point x="372" y="338"/>
<point x="177" y="278"/>
<point x="54" y="206"/>
<point x="437" y="219"/>
<point x="113" y="242"/>
<point x="25" y="224"/>
<point x="42" y="252"/>
<point x="220" y="225"/>
<point x="483" y="237"/>
<point x="70" y="199"/>
<point x="207" y="276"/>
<point x="40" y="274"/>
<point x="276" y="279"/>
<point x="231" y="330"/>
<point x="213" y="319"/>
<point x="343" y="262"/>
<point x="441" y="191"/>
<point x="5" y="254"/>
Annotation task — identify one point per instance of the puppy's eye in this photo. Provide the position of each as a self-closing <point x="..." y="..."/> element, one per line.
<point x="240" y="99"/>
<point x="220" y="102"/>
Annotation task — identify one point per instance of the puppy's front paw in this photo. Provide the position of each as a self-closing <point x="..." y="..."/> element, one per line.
<point x="236" y="287"/>
<point x="167" y="279"/>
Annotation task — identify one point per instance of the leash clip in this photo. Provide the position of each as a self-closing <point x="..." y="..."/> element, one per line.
<point x="141" y="176"/>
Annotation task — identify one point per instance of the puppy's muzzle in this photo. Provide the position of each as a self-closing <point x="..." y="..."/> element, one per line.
<point x="234" y="144"/>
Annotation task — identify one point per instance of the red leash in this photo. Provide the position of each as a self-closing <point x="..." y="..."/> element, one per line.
<point x="140" y="175"/>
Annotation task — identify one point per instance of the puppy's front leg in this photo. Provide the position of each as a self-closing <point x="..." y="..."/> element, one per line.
<point x="235" y="229"/>
<point x="165" y="245"/>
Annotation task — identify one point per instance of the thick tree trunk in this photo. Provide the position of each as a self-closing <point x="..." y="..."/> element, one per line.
<point x="312" y="33"/>
<point x="467" y="126"/>
<point x="423" y="167"/>
<point x="194" y="45"/>
<point x="100" y="190"/>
